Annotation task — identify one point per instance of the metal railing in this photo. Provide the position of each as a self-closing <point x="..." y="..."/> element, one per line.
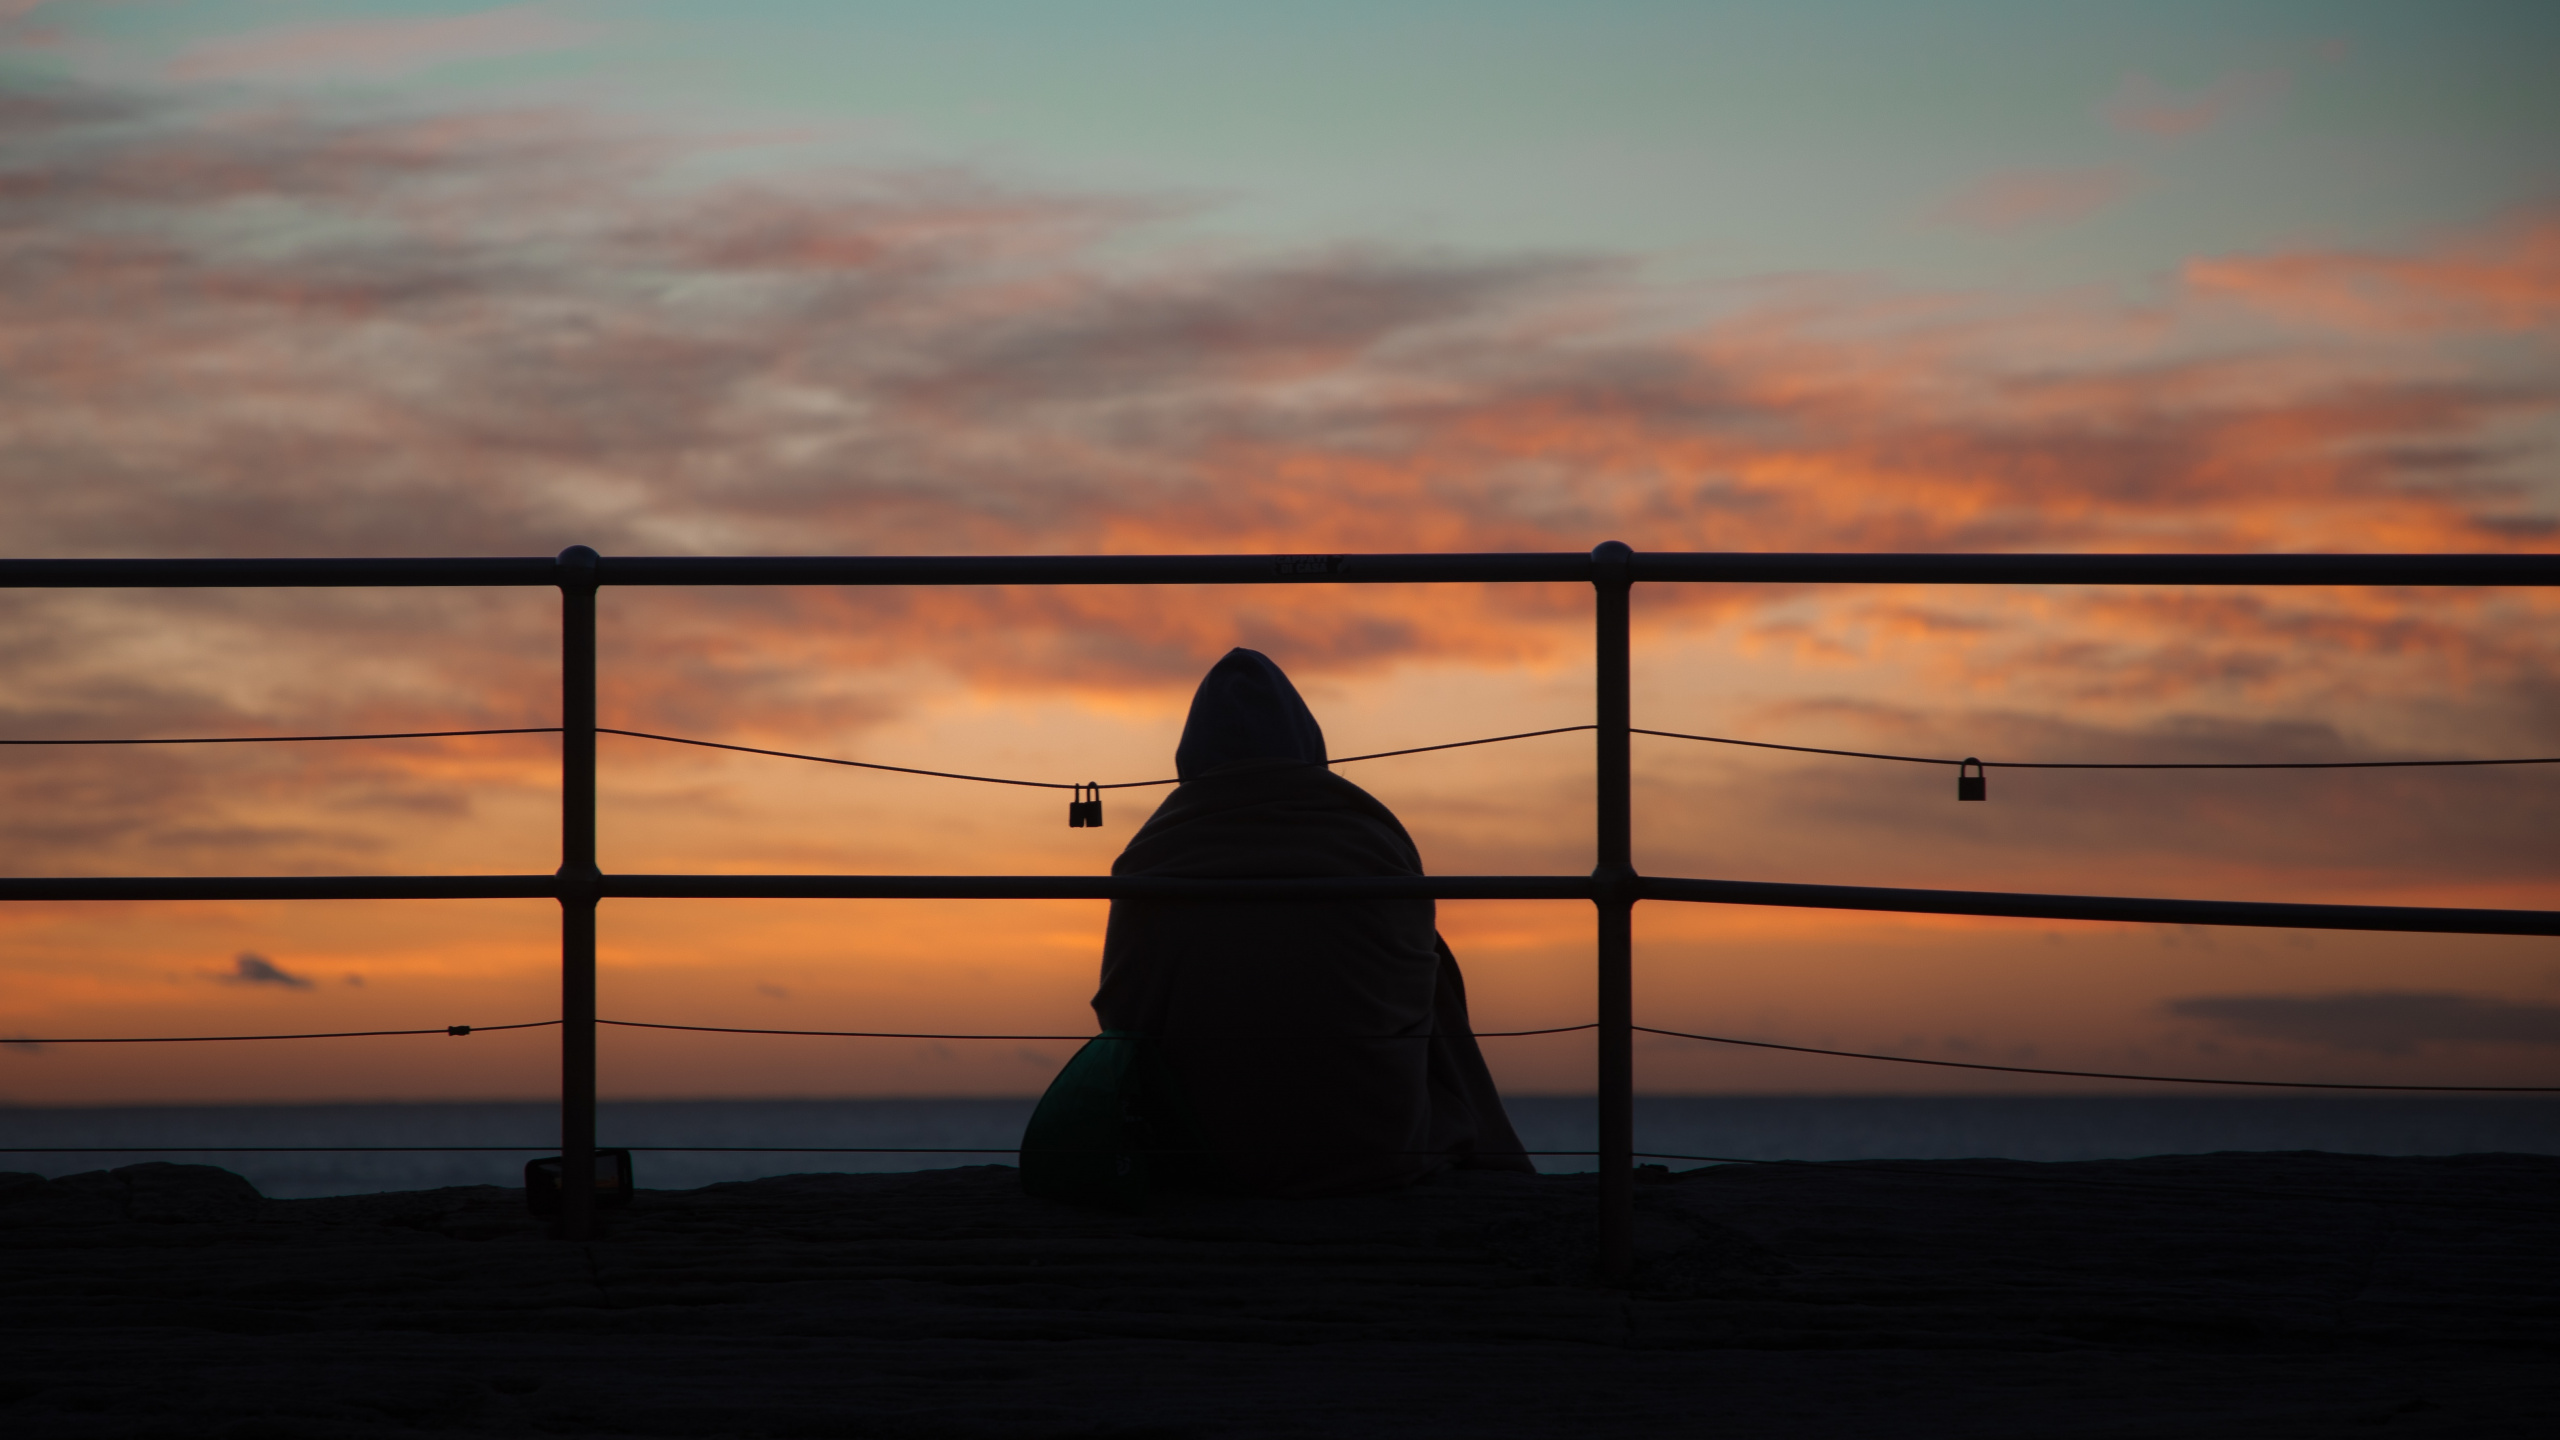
<point x="1613" y="886"/>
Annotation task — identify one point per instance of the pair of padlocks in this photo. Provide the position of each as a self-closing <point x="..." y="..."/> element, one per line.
<point x="1085" y="811"/>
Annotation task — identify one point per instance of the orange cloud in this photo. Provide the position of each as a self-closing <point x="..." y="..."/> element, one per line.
<point x="2505" y="277"/>
<point x="501" y="334"/>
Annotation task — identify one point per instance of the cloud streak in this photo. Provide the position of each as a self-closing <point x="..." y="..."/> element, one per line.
<point x="2504" y="278"/>
<point x="313" y="332"/>
<point x="250" y="968"/>
<point x="2380" y="1022"/>
<point x="379" y="49"/>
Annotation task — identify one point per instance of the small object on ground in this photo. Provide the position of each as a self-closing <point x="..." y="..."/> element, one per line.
<point x="542" y="1182"/>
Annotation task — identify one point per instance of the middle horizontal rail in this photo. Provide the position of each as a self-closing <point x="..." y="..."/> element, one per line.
<point x="798" y="887"/>
<point x="2414" y="919"/>
<point x="1100" y="887"/>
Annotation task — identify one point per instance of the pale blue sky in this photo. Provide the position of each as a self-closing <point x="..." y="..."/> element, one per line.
<point x="1710" y="140"/>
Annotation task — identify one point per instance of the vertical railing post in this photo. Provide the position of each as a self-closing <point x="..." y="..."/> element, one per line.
<point x="579" y="882"/>
<point x="1614" y="892"/>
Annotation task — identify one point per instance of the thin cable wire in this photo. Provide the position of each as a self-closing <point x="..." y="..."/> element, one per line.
<point x="1480" y="1034"/>
<point x="635" y="1149"/>
<point x="2109" y="764"/>
<point x="1452" y="745"/>
<point x="917" y="1035"/>
<point x="315" y="1035"/>
<point x="2263" y="764"/>
<point x="258" y="1149"/>
<point x="1799" y="749"/>
<point x="468" y="1149"/>
<point x="865" y="764"/>
<point x="1341" y="760"/>
<point x="1050" y="784"/>
<point x="934" y="1150"/>
<point x="2104" y="1074"/>
<point x="1934" y="1170"/>
<point x="288" y="739"/>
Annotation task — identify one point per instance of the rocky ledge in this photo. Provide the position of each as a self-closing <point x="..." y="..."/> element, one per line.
<point x="2258" y="1295"/>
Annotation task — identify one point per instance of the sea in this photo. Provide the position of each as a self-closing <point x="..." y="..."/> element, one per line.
<point x="306" y="1150"/>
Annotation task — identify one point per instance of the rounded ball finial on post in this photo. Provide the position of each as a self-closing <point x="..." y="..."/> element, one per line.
<point x="577" y="566"/>
<point x="1610" y="559"/>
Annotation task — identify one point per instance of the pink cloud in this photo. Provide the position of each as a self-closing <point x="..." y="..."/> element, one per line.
<point x="2020" y="199"/>
<point x="935" y="363"/>
<point x="492" y="335"/>
<point x="928" y="361"/>
<point x="22" y="36"/>
<point x="2143" y="106"/>
<point x="379" y="48"/>
<point x="2504" y="277"/>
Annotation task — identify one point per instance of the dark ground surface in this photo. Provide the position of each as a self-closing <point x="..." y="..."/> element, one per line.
<point x="2240" y="1295"/>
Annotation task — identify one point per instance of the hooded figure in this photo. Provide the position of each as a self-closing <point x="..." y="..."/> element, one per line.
<point x="1296" y="1047"/>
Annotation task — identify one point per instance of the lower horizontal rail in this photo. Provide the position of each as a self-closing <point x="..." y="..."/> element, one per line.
<point x="2134" y="910"/>
<point x="2414" y="918"/>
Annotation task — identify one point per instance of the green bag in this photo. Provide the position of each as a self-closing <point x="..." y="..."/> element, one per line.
<point x="1113" y="1129"/>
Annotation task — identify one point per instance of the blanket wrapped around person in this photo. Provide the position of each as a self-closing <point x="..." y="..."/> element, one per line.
<point x="1268" y="1047"/>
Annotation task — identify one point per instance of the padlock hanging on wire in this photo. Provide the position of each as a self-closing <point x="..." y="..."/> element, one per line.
<point x="1975" y="786"/>
<point x="1085" y="811"/>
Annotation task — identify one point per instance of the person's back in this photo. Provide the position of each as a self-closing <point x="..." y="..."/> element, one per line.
<point x="1314" y="1047"/>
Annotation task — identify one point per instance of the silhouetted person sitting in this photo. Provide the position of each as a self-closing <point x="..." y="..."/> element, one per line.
<point x="1270" y="1047"/>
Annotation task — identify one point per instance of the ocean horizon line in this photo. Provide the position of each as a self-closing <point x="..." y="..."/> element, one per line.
<point x="1540" y="1096"/>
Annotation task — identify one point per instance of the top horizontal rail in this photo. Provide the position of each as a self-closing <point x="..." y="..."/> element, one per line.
<point x="2427" y="920"/>
<point x="1555" y="566"/>
<point x="249" y="574"/>
<point x="2101" y="569"/>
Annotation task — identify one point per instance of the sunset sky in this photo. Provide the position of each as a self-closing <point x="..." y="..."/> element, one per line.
<point x="836" y="277"/>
